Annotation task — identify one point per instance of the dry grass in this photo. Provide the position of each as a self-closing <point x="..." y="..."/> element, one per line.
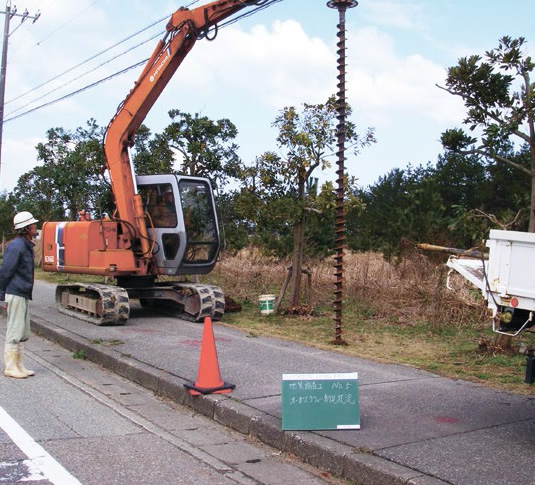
<point x="412" y="290"/>
<point x="398" y="313"/>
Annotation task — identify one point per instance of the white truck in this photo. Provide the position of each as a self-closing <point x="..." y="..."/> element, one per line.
<point x="506" y="279"/>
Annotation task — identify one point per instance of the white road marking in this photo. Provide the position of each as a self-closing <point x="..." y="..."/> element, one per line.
<point x="37" y="455"/>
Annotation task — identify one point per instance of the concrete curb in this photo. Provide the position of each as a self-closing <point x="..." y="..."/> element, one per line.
<point x="341" y="460"/>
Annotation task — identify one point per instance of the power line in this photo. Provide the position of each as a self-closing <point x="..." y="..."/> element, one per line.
<point x="79" y="76"/>
<point x="262" y="5"/>
<point x="131" y="36"/>
<point x="248" y="13"/>
<point x="90" y="59"/>
<point x="66" y="23"/>
<point x="79" y="90"/>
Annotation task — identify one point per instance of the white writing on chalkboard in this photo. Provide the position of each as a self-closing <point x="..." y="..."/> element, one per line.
<point x="333" y="397"/>
<point x="342" y="399"/>
<point x="306" y="386"/>
<point x="317" y="386"/>
<point x="342" y="385"/>
<point x="320" y="401"/>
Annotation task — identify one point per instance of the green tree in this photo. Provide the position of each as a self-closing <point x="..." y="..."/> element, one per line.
<point x="452" y="203"/>
<point x="507" y="194"/>
<point x="500" y="200"/>
<point x="235" y="228"/>
<point x="152" y="154"/>
<point x="205" y="148"/>
<point x="70" y="177"/>
<point x="403" y="205"/>
<point x="421" y="204"/>
<point x="7" y="211"/>
<point x="305" y="139"/>
<point x="500" y="100"/>
<point x="88" y="154"/>
<point x="463" y="185"/>
<point x="36" y="192"/>
<point x="460" y="179"/>
<point x="265" y="205"/>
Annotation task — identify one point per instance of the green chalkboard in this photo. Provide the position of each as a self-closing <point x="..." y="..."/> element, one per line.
<point x="320" y="401"/>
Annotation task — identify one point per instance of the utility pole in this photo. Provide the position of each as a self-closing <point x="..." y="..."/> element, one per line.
<point x="9" y="14"/>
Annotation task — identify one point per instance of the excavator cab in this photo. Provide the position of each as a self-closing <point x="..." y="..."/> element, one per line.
<point x="182" y="222"/>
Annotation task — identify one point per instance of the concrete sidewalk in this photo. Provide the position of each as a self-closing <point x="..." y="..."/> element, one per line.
<point x="416" y="427"/>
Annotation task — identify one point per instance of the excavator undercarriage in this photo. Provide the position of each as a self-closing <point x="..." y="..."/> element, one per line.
<point x="102" y="304"/>
<point x="94" y="303"/>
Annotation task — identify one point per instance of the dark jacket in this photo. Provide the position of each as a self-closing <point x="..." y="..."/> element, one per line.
<point x="16" y="273"/>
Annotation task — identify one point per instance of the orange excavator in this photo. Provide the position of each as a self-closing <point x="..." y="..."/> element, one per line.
<point x="163" y="224"/>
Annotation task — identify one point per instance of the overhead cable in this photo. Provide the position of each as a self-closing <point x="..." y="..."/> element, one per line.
<point x="248" y="13"/>
<point x="83" y="74"/>
<point x="133" y="66"/>
<point x="262" y="5"/>
<point x="89" y="59"/>
<point x="95" y="55"/>
<point x="66" y="22"/>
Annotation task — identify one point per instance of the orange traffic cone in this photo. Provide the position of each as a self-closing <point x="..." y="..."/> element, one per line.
<point x="208" y="378"/>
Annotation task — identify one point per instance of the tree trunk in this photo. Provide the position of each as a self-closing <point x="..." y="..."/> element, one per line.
<point x="299" y="244"/>
<point x="297" y="262"/>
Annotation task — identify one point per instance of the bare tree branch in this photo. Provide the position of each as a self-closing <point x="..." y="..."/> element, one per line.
<point x="498" y="158"/>
<point x="489" y="114"/>
<point x="504" y="226"/>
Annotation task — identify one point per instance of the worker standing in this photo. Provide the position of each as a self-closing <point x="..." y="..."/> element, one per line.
<point x="16" y="285"/>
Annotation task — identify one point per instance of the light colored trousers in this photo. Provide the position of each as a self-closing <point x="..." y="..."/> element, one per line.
<point x="18" y="319"/>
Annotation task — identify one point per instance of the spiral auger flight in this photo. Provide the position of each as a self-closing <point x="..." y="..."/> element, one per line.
<point x="340" y="223"/>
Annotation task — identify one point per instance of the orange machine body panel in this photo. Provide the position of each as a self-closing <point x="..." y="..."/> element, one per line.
<point x="90" y="247"/>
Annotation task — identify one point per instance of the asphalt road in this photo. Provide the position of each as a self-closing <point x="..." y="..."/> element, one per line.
<point x="74" y="422"/>
<point x="416" y="427"/>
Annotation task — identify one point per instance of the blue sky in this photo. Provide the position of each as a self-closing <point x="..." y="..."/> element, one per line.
<point x="397" y="51"/>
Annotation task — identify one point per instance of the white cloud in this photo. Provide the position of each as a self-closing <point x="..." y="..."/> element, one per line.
<point x="383" y="84"/>
<point x="279" y="65"/>
<point x="401" y="14"/>
<point x="14" y="153"/>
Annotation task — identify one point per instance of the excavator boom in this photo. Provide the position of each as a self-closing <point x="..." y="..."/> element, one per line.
<point x="183" y="29"/>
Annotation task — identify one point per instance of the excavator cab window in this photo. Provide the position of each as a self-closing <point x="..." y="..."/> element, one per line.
<point x="159" y="203"/>
<point x="199" y="220"/>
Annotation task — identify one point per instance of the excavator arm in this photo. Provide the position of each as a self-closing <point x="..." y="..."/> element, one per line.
<point x="184" y="28"/>
<point x="185" y="244"/>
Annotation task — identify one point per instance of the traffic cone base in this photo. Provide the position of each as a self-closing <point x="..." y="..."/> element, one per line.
<point x="196" y="391"/>
<point x="208" y="378"/>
